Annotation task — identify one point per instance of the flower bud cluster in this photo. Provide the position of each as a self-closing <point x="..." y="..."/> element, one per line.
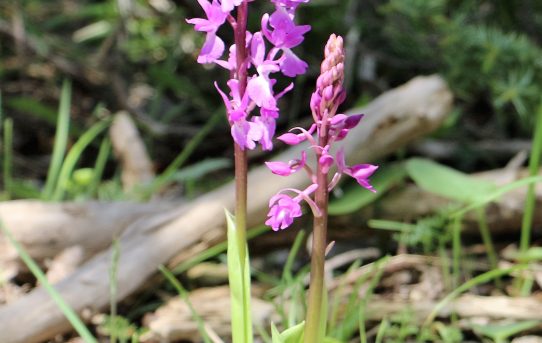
<point x="329" y="128"/>
<point x="282" y="34"/>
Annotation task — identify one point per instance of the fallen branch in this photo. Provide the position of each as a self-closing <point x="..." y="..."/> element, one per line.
<point x="393" y="120"/>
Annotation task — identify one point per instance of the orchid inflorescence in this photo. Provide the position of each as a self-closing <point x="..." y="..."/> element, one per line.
<point x="283" y="34"/>
<point x="329" y="128"/>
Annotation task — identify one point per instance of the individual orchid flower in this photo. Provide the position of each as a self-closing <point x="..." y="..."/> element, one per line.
<point x="266" y="126"/>
<point x="213" y="46"/>
<point x="212" y="49"/>
<point x="260" y="88"/>
<point x="285" y="33"/>
<point x="326" y="160"/>
<point x="360" y="172"/>
<point x="244" y="133"/>
<point x="341" y="124"/>
<point x="294" y="139"/>
<point x="286" y="169"/>
<point x="284" y="36"/>
<point x="215" y="17"/>
<point x="283" y="208"/>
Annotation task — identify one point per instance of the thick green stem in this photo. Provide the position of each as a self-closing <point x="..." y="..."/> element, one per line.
<point x="318" y="255"/>
<point x="241" y="198"/>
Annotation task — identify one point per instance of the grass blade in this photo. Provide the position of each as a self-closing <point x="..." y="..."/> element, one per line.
<point x="482" y="278"/>
<point x="61" y="140"/>
<point x="8" y="157"/>
<point x="99" y="166"/>
<point x="74" y="155"/>
<point x="183" y="293"/>
<point x="530" y="200"/>
<point x="170" y="171"/>
<point x="113" y="285"/>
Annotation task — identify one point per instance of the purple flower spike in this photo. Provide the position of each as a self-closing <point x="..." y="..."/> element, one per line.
<point x="282" y="212"/>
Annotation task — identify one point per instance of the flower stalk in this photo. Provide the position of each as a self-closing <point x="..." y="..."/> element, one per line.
<point x="330" y="128"/>
<point x="318" y="255"/>
<point x="250" y="65"/>
<point x="240" y="155"/>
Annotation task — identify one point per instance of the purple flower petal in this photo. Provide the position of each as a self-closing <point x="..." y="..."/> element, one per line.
<point x="291" y="138"/>
<point x="259" y="90"/>
<point x="291" y="65"/>
<point x="212" y="49"/>
<point x="279" y="168"/>
<point x="326" y="161"/>
<point x="362" y="172"/>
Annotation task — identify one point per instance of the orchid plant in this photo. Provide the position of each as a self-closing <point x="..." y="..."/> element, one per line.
<point x="329" y="128"/>
<point x="253" y="60"/>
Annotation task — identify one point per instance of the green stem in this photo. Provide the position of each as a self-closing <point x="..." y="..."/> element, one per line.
<point x="534" y="164"/>
<point x="488" y="242"/>
<point x="240" y="155"/>
<point x="456" y="250"/>
<point x="241" y="165"/>
<point x="318" y="254"/>
<point x="8" y="157"/>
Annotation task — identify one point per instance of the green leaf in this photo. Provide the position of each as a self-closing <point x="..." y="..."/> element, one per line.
<point x="357" y="197"/>
<point x="500" y="332"/>
<point x="239" y="279"/>
<point x="275" y="334"/>
<point x="73" y="157"/>
<point x="61" y="140"/>
<point x="290" y="335"/>
<point x="447" y="182"/>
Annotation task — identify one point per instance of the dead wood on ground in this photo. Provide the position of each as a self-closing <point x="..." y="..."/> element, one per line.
<point x="392" y="120"/>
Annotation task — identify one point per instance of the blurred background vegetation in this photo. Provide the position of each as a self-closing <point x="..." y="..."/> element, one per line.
<point x="140" y="56"/>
